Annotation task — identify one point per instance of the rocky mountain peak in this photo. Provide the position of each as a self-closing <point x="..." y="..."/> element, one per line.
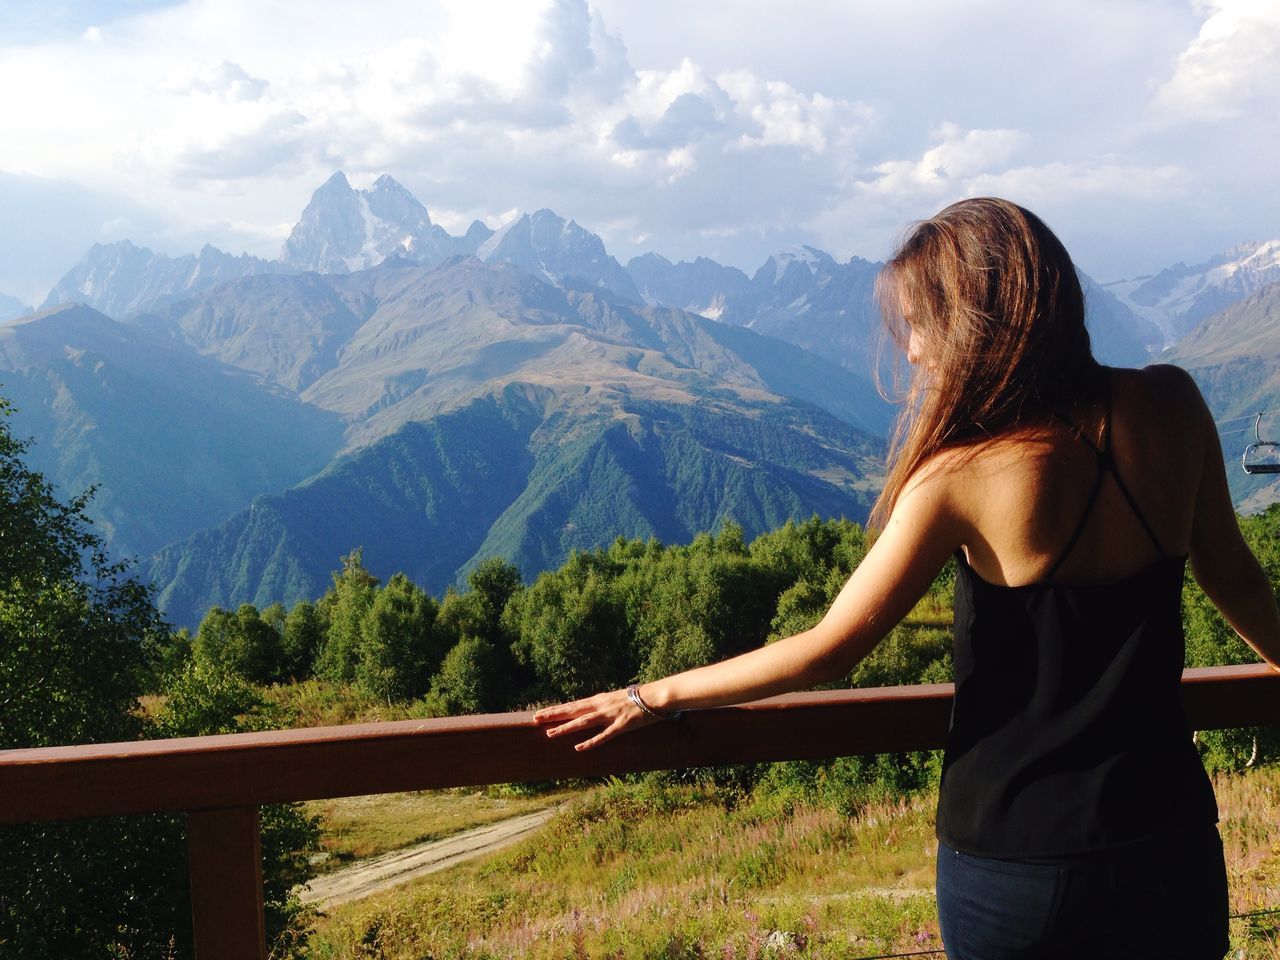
<point x="343" y="229"/>
<point x="558" y="250"/>
<point x="336" y="184"/>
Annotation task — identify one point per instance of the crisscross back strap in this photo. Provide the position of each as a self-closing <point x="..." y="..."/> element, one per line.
<point x="1106" y="464"/>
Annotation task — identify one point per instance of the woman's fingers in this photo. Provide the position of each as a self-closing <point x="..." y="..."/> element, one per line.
<point x="561" y="711"/>
<point x="578" y="723"/>
<point x="606" y="734"/>
<point x="613" y="711"/>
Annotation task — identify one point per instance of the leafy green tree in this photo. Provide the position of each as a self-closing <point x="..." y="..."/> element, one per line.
<point x="73" y="631"/>
<point x="468" y="680"/>
<point x="571" y="630"/>
<point x="344" y="607"/>
<point x="241" y="642"/>
<point x="494" y="582"/>
<point x="76" y="632"/>
<point x="399" y="649"/>
<point x="167" y="653"/>
<point x="304" y="633"/>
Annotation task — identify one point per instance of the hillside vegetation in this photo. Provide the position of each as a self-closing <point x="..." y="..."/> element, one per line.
<point x="656" y="869"/>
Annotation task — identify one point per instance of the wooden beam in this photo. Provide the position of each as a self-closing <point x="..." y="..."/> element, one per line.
<point x="247" y="770"/>
<point x="225" y="851"/>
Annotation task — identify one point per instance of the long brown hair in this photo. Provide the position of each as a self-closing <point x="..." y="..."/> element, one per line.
<point x="994" y="298"/>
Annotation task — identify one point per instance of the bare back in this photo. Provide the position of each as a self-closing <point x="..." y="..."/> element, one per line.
<point x="1024" y="499"/>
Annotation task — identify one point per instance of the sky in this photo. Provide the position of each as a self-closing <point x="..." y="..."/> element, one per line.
<point x="1146" y="132"/>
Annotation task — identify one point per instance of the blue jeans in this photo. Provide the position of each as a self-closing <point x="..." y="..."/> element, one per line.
<point x="1162" y="901"/>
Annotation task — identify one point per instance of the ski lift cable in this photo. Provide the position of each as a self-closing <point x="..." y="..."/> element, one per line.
<point x="1247" y="416"/>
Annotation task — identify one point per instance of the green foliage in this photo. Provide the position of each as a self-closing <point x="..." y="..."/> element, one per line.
<point x="570" y="629"/>
<point x="493" y="582"/>
<point x="1212" y="641"/>
<point x="79" y="640"/>
<point x="304" y="632"/>
<point x="167" y="652"/>
<point x="205" y="699"/>
<point x="74" y="631"/>
<point x="399" y="649"/>
<point x="72" y="625"/>
<point x="468" y="680"/>
<point x="908" y="655"/>
<point x="344" y="607"/>
<point x="243" y="643"/>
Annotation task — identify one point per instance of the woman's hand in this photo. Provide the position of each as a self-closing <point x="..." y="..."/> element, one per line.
<point x="613" y="710"/>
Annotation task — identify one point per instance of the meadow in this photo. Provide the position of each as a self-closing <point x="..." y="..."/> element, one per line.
<point x="664" y="869"/>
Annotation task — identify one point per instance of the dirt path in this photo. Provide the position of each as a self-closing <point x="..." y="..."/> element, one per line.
<point x="378" y="873"/>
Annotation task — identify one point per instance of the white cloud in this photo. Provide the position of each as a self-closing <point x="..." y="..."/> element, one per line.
<point x="705" y="132"/>
<point x="1233" y="60"/>
<point x="970" y="163"/>
<point x="942" y="168"/>
<point x="223" y="78"/>
<point x="1062" y="185"/>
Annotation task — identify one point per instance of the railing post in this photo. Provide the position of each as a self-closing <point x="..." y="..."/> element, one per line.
<point x="225" y="852"/>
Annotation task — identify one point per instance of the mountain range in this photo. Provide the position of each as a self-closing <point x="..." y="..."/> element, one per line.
<point x="438" y="399"/>
<point x="1178" y="298"/>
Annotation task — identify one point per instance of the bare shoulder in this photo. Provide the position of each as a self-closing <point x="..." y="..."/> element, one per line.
<point x="1165" y="400"/>
<point x="1161" y="384"/>
<point x="948" y="479"/>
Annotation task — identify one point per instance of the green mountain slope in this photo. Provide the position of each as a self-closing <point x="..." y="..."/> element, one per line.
<point x="520" y="475"/>
<point x="172" y="441"/>
<point x="419" y="501"/>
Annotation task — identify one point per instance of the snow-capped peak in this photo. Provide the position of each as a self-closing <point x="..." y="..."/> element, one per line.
<point x="807" y="256"/>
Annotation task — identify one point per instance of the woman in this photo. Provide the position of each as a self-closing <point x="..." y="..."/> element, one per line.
<point x="1074" y="817"/>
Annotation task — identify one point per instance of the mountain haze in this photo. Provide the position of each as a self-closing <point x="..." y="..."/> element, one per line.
<point x="548" y="246"/>
<point x="1179" y="297"/>
<point x="12" y="308"/>
<point x="172" y="441"/>
<point x="120" y="279"/>
<point x="288" y="328"/>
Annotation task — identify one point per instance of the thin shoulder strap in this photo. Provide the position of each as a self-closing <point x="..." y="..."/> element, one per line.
<point x="1106" y="464"/>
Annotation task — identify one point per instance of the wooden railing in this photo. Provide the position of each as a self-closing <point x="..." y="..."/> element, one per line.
<point x="221" y="781"/>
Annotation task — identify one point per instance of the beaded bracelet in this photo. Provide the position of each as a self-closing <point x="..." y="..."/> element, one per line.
<point x="633" y="694"/>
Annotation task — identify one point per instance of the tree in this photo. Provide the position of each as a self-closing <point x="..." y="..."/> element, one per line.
<point x="73" y="629"/>
<point x="76" y="631"/>
<point x="571" y="630"/>
<point x="242" y="642"/>
<point x="399" y="649"/>
<point x="468" y="680"/>
<point x="304" y="633"/>
<point x="344" y="606"/>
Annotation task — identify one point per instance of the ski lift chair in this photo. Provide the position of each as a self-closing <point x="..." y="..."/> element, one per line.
<point x="1261" y="456"/>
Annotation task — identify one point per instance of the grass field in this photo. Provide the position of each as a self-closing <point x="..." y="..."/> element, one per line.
<point x="642" y="871"/>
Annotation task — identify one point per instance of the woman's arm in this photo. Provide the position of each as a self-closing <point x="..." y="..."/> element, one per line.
<point x="1221" y="560"/>
<point x="917" y="540"/>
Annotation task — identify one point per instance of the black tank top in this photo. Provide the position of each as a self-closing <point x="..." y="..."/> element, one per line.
<point x="1067" y="735"/>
